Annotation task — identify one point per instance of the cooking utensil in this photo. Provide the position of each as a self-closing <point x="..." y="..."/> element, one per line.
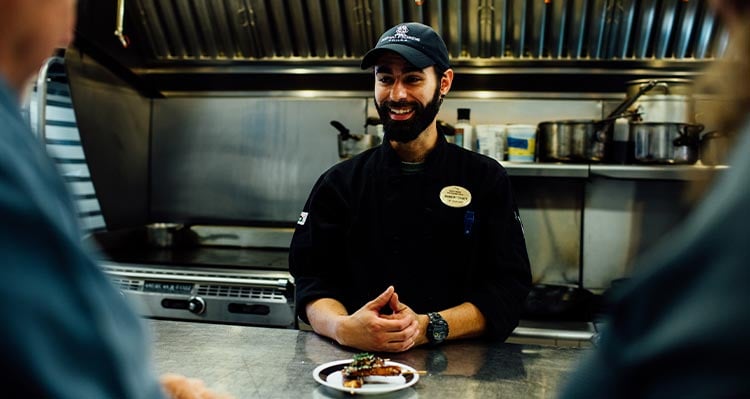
<point x="669" y="108"/>
<point x="352" y="144"/>
<point x="666" y="143"/>
<point x="714" y="148"/>
<point x="669" y="101"/>
<point x="162" y="235"/>
<point x="665" y="86"/>
<point x="582" y="140"/>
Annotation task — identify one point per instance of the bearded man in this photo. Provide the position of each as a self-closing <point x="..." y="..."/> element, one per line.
<point x="416" y="241"/>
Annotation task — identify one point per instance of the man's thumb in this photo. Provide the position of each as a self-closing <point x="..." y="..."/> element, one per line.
<point x="382" y="299"/>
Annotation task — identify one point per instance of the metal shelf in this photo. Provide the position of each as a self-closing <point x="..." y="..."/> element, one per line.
<point x="640" y="172"/>
<point x="546" y="170"/>
<point x="655" y="172"/>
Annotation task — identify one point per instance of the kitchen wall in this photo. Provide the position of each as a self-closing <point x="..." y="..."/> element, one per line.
<point x="250" y="158"/>
<point x="253" y="160"/>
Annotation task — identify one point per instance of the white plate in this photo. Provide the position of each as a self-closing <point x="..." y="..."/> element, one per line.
<point x="329" y="374"/>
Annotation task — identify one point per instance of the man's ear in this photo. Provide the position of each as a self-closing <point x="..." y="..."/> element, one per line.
<point x="446" y="81"/>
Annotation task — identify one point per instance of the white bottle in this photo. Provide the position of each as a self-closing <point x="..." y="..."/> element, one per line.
<point x="463" y="123"/>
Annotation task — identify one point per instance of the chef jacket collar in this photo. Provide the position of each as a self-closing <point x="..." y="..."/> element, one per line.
<point x="434" y="158"/>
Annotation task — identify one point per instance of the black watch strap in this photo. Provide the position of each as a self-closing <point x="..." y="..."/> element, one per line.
<point x="437" y="328"/>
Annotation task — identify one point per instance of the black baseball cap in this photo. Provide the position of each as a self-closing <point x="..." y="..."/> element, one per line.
<point x="419" y="44"/>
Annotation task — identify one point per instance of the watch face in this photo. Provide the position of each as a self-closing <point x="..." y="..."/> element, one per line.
<point x="437" y="330"/>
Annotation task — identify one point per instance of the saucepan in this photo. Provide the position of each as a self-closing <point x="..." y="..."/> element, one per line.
<point x="162" y="235"/>
<point x="352" y="144"/>
<point x="581" y="140"/>
<point x="666" y="143"/>
<point x="168" y="235"/>
<point x="714" y="148"/>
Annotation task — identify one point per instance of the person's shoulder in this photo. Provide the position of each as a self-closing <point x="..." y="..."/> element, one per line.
<point x="354" y="167"/>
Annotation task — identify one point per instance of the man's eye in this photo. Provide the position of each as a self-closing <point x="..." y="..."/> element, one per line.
<point x="414" y="79"/>
<point x="385" y="79"/>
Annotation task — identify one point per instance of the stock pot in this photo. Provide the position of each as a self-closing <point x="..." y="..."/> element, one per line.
<point x="572" y="141"/>
<point x="663" y="86"/>
<point x="669" y="108"/>
<point x="665" y="143"/>
<point x="670" y="100"/>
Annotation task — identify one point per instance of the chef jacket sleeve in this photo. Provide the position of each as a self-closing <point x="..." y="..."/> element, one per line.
<point x="502" y="287"/>
<point x="316" y="249"/>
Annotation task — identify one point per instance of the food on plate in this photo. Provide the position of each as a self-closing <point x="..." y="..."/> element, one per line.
<point x="365" y="365"/>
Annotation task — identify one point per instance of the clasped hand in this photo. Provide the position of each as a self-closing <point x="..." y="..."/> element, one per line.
<point x="369" y="329"/>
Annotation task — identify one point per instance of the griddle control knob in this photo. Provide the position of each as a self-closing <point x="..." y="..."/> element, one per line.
<point x="196" y="305"/>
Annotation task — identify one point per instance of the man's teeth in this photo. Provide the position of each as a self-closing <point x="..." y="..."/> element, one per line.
<point x="401" y="111"/>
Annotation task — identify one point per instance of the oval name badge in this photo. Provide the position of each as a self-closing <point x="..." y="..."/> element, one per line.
<point x="455" y="196"/>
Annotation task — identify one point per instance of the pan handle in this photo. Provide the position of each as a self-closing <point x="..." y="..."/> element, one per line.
<point x="343" y="131"/>
<point x="688" y="135"/>
<point x="629" y="101"/>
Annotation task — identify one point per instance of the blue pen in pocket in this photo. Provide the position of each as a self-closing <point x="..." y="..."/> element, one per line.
<point x="468" y="222"/>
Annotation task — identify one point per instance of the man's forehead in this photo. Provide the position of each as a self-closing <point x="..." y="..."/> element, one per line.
<point x="391" y="60"/>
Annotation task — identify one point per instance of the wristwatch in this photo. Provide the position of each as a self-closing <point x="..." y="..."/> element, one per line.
<point x="437" y="328"/>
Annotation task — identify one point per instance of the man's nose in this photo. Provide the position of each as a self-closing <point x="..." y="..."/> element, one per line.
<point x="398" y="91"/>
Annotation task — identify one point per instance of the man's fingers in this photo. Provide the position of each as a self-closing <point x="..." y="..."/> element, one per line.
<point x="381" y="300"/>
<point x="396" y="305"/>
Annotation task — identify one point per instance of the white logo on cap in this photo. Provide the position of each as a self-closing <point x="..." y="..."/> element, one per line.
<point x="401" y="35"/>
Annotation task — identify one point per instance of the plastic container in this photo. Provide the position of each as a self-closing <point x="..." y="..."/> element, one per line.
<point x="491" y="141"/>
<point x="521" y="142"/>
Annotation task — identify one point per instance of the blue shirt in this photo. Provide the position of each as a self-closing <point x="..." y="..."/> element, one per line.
<point x="66" y="331"/>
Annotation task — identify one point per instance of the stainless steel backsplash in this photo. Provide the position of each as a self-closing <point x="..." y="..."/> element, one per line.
<point x="243" y="160"/>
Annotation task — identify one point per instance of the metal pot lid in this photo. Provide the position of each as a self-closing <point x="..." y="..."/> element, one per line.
<point x="665" y="123"/>
<point x="571" y="121"/>
<point x="666" y="80"/>
<point x="664" y="97"/>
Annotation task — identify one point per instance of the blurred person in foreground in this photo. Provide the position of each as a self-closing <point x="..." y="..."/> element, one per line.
<point x="416" y="241"/>
<point x="680" y="327"/>
<point x="66" y="331"/>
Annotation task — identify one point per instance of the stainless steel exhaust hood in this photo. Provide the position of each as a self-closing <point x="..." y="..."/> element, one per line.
<point x="170" y="40"/>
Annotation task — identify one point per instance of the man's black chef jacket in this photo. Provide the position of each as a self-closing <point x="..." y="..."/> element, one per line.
<point x="367" y="225"/>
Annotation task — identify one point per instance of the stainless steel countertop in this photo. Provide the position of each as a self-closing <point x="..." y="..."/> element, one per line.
<point x="255" y="362"/>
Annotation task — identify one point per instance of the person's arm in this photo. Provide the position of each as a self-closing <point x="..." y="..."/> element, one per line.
<point x="365" y="329"/>
<point x="464" y="321"/>
<point x="503" y="279"/>
<point x="314" y="253"/>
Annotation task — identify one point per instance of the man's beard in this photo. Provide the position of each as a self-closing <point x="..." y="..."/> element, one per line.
<point x="408" y="130"/>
